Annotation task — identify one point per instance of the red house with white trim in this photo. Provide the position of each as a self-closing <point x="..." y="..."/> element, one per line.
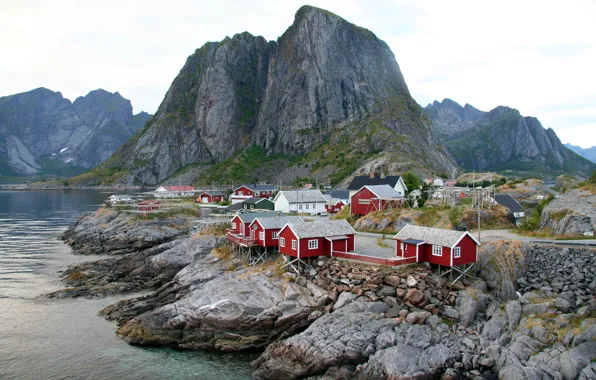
<point x="436" y="246"/>
<point x="148" y="205"/>
<point x="319" y="238"/>
<point x="210" y="197"/>
<point x="266" y="230"/>
<point x="240" y="233"/>
<point x="374" y="198"/>
<point x="244" y="192"/>
<point x="334" y="205"/>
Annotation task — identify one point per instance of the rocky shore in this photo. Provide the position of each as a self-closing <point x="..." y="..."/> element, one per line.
<point x="530" y="313"/>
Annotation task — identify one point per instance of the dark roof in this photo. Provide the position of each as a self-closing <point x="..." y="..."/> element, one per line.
<point x="234" y="207"/>
<point x="509" y="202"/>
<point x="413" y="241"/>
<point x="364" y="180"/>
<point x="258" y="187"/>
<point x="248" y="217"/>
<point x="252" y="200"/>
<point x="341" y="194"/>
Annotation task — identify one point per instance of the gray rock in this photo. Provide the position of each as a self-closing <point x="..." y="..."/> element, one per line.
<point x="450" y="312"/>
<point x="411" y="281"/>
<point x="518" y="372"/>
<point x="514" y="313"/>
<point x="344" y="299"/>
<point x="588" y="373"/>
<point x="563" y="305"/>
<point x="575" y="360"/>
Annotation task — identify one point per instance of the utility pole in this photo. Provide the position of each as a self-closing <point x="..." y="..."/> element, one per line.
<point x="478" y="202"/>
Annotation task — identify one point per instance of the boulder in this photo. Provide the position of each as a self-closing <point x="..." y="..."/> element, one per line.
<point x="344" y="299"/>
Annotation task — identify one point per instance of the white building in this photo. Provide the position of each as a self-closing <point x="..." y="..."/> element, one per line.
<point x="174" y="192"/>
<point x="438" y="182"/>
<point x="301" y="201"/>
<point x="119" y="198"/>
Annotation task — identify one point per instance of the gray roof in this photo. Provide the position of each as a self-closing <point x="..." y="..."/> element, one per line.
<point x="364" y="180"/>
<point x="341" y="194"/>
<point x="333" y="201"/>
<point x="278" y="222"/>
<point x="304" y="196"/>
<point x="248" y="217"/>
<point x="384" y="191"/>
<point x="509" y="202"/>
<point x="434" y="236"/>
<point x="259" y="187"/>
<point x="213" y="193"/>
<point x="413" y="241"/>
<point x="322" y="228"/>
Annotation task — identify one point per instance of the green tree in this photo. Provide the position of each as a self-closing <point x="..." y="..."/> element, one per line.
<point x="412" y="182"/>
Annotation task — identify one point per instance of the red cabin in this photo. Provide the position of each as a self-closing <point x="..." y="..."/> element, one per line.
<point x="149" y="205"/>
<point x="334" y="205"/>
<point x="244" y="192"/>
<point x="266" y="230"/>
<point x="375" y="198"/>
<point x="210" y="197"/>
<point x="447" y="248"/>
<point x="319" y="238"/>
<point x="240" y="233"/>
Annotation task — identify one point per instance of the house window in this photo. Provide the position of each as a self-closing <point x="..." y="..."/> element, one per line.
<point x="275" y="235"/>
<point x="313" y="244"/>
<point x="252" y="206"/>
<point x="294" y="244"/>
<point x="363" y="201"/>
<point x="437" y="250"/>
<point x="307" y="206"/>
<point x="457" y="252"/>
<point x="300" y="206"/>
<point x="233" y="226"/>
<point x="257" y="193"/>
<point x="240" y="192"/>
<point x="405" y="247"/>
<point x="261" y="235"/>
<point x="314" y="206"/>
<point x="282" y="242"/>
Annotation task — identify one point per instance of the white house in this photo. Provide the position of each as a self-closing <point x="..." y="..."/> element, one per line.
<point x="174" y="191"/>
<point x="302" y="201"/>
<point x="438" y="182"/>
<point x="395" y="181"/>
<point x="119" y="198"/>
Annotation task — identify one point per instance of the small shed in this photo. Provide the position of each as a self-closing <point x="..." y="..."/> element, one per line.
<point x="447" y="248"/>
<point x="320" y="238"/>
<point x="375" y="198"/>
<point x="210" y="197"/>
<point x="334" y="205"/>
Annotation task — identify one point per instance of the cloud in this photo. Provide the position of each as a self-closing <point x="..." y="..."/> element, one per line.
<point x="535" y="56"/>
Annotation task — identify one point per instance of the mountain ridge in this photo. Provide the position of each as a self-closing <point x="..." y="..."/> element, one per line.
<point x="588" y="153"/>
<point x="503" y="140"/>
<point x="287" y="97"/>
<point x="41" y="132"/>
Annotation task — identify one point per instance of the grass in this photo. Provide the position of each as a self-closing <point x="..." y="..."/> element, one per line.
<point x="218" y="229"/>
<point x="381" y="243"/>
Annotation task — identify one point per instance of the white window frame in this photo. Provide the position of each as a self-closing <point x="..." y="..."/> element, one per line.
<point x="261" y="235"/>
<point x="313" y="246"/>
<point x="233" y="225"/>
<point x="405" y="247"/>
<point x="457" y="252"/>
<point x="275" y="235"/>
<point x="307" y="206"/>
<point x="437" y="250"/>
<point x="294" y="244"/>
<point x="240" y="192"/>
<point x="402" y="246"/>
<point x="300" y="206"/>
<point x="314" y="206"/>
<point x="282" y="242"/>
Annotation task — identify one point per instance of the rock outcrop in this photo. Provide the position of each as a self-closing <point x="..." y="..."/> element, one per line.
<point x="502" y="139"/>
<point x="573" y="213"/>
<point x="43" y="133"/>
<point x="323" y="81"/>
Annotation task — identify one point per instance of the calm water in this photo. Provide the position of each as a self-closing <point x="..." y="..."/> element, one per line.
<point x="66" y="339"/>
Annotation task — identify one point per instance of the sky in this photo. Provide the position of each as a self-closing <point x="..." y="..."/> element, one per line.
<point x="536" y="56"/>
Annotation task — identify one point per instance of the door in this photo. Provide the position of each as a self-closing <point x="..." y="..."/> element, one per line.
<point x="205" y="200"/>
<point x="252" y="234"/>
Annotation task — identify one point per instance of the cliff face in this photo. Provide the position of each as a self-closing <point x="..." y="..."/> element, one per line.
<point x="41" y="132"/>
<point x="502" y="139"/>
<point x="286" y="97"/>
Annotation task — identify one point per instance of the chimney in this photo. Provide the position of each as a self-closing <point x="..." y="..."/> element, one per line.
<point x="372" y="174"/>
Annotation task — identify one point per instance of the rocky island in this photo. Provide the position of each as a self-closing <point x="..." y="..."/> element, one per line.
<point x="530" y="312"/>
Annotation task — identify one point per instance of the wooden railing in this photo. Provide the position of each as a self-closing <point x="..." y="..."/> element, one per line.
<point x="239" y="239"/>
<point x="373" y="259"/>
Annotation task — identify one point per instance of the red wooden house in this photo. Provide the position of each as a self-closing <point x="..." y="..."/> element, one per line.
<point x="447" y="248"/>
<point x="240" y="232"/>
<point x="334" y="205"/>
<point x="375" y="198"/>
<point x="210" y="197"/>
<point x="319" y="238"/>
<point x="149" y="205"/>
<point x="266" y="230"/>
<point x="244" y="192"/>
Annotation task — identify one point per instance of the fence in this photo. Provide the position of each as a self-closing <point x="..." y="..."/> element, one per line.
<point x="373" y="259"/>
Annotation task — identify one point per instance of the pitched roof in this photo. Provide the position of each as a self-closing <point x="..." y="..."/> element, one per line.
<point x="363" y="180"/>
<point x="384" y="191"/>
<point x="321" y="228"/>
<point x="304" y="196"/>
<point x="248" y="217"/>
<point x="277" y="221"/>
<point x="334" y="201"/>
<point x="252" y="200"/>
<point x="258" y="187"/>
<point x="434" y="236"/>
<point x="213" y="193"/>
<point x="509" y="202"/>
<point x="341" y="194"/>
<point x="234" y="207"/>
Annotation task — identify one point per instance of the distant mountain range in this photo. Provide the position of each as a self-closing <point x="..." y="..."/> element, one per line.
<point x="41" y="132"/>
<point x="589" y="153"/>
<point x="502" y="140"/>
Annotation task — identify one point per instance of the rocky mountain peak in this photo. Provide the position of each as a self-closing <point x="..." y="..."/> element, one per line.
<point x="100" y="104"/>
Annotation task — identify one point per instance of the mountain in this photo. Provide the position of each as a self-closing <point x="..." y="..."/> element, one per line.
<point x="41" y="132"/>
<point x="326" y="87"/>
<point x="502" y="139"/>
<point x="589" y="153"/>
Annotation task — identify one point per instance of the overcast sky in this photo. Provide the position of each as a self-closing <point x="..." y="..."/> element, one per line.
<point x="536" y="56"/>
